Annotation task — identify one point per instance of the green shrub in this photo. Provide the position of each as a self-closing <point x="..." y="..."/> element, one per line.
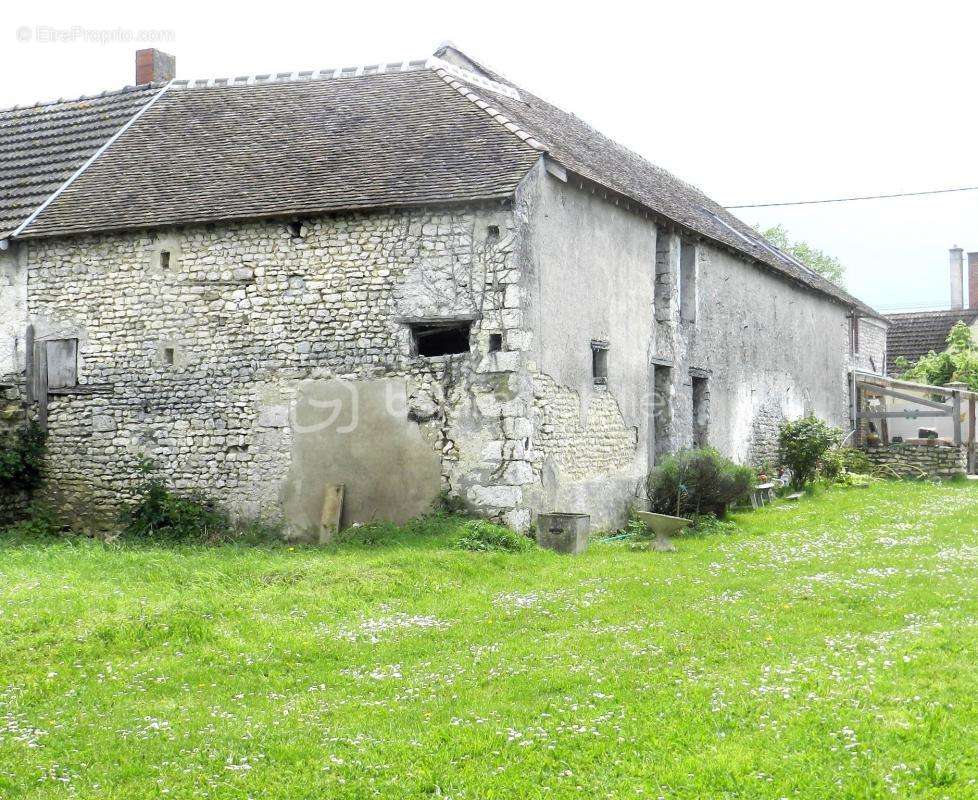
<point x="21" y="470"/>
<point x="841" y="460"/>
<point x="40" y="521"/>
<point x="161" y="514"/>
<point x="480" y="535"/>
<point x="801" y="445"/>
<point x="958" y="362"/>
<point x="854" y="479"/>
<point x="708" y="524"/>
<point x="448" y="504"/>
<point x="695" y="482"/>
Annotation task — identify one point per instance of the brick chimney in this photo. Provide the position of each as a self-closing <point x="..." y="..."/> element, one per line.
<point x="957" y="277"/>
<point x="154" y="66"/>
<point x="972" y="280"/>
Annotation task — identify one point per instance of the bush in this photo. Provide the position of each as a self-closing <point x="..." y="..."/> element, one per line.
<point x="450" y="505"/>
<point x="39" y="522"/>
<point x="958" y="362"/>
<point x="696" y="482"/>
<point x="854" y="479"/>
<point x="801" y="445"/>
<point x="21" y="470"/>
<point x="708" y="524"/>
<point x="483" y="536"/>
<point x="842" y="460"/>
<point x="160" y="514"/>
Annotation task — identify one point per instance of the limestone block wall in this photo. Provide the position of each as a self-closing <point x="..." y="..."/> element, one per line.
<point x="871" y="356"/>
<point x="918" y="460"/>
<point x="200" y="360"/>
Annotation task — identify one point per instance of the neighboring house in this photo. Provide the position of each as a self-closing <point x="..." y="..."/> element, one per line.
<point x="403" y="278"/>
<point x="916" y="333"/>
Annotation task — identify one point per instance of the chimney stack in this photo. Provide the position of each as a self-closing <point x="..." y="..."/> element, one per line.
<point x="972" y="280"/>
<point x="957" y="277"/>
<point x="154" y="66"/>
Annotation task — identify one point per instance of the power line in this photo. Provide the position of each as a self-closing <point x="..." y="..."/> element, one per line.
<point x="850" y="199"/>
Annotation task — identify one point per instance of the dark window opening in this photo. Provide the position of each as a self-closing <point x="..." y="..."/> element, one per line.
<point x="295" y="229"/>
<point x="599" y="362"/>
<point x="663" y="275"/>
<point x="687" y="281"/>
<point x="854" y="332"/>
<point x="662" y="412"/>
<point x="441" y="339"/>
<point x="164" y="259"/>
<point x="492" y="231"/>
<point x="495" y="342"/>
<point x="701" y="411"/>
<point x="168" y="355"/>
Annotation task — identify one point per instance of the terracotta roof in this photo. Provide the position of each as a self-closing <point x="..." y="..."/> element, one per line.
<point x="42" y="146"/>
<point x="206" y="153"/>
<point x="916" y="333"/>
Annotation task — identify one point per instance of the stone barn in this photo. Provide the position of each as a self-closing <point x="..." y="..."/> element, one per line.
<point x="406" y="279"/>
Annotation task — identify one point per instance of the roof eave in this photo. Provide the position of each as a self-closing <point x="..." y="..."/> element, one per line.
<point x="649" y="211"/>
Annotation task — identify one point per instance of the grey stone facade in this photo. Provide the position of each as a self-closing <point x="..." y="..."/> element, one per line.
<point x="907" y="460"/>
<point x="260" y="361"/>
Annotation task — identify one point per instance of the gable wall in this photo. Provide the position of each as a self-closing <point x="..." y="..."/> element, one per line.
<point x="768" y="348"/>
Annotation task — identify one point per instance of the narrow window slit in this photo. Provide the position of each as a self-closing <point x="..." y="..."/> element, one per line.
<point x="599" y="362"/>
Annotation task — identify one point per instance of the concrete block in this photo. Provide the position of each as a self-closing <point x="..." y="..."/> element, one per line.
<point x="563" y="533"/>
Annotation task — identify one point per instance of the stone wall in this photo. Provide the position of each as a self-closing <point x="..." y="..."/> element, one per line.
<point x="260" y="361"/>
<point x="920" y="460"/>
<point x="12" y="410"/>
<point x="247" y="312"/>
<point x="580" y="446"/>
<point x="871" y="356"/>
<point x="13" y="310"/>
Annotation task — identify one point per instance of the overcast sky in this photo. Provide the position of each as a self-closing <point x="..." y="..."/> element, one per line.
<point x="750" y="101"/>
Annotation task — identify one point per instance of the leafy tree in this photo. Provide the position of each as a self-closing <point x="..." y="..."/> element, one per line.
<point x="958" y="362"/>
<point x="825" y="265"/>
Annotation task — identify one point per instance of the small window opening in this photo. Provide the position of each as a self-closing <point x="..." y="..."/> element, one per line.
<point x="441" y="338"/>
<point x="495" y="342"/>
<point x="662" y="412"/>
<point x="599" y="362"/>
<point x="663" y="275"/>
<point x="492" y="231"/>
<point x="164" y="259"/>
<point x="701" y="411"/>
<point x="687" y="281"/>
<point x="854" y="332"/>
<point x="61" y="357"/>
<point x="295" y="229"/>
<point x="168" y="355"/>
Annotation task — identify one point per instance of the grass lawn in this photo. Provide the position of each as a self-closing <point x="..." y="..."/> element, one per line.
<point x="824" y="650"/>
